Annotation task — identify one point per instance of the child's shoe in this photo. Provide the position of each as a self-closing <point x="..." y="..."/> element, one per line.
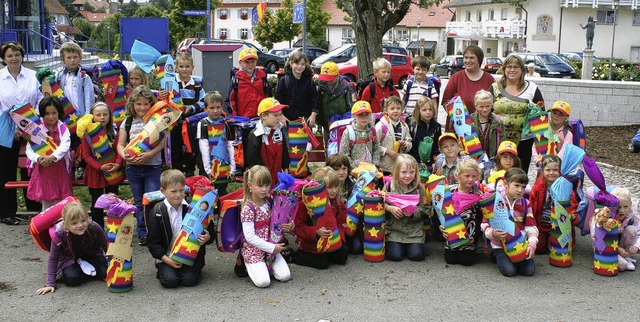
<point x="240" y="269"/>
<point x="630" y="265"/>
<point x="86" y="267"/>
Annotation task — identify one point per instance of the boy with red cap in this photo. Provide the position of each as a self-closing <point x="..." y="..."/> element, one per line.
<point x="335" y="95"/>
<point x="447" y="161"/>
<point x="359" y="142"/>
<point x="267" y="143"/>
<point x="248" y="85"/>
<point x="560" y="128"/>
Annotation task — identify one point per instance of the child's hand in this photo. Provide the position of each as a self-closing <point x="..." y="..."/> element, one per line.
<point x="45" y="290"/>
<point x="395" y="211"/>
<point x="287" y="227"/>
<point x="311" y="121"/>
<point x="392" y="154"/>
<point x="499" y="235"/>
<point x="115" y="167"/>
<point x="323" y="232"/>
<point x="105" y="167"/>
<point x="633" y="250"/>
<point x="129" y="158"/>
<point x="162" y="94"/>
<point x="623" y="252"/>
<point x="171" y="262"/>
<point x="444" y="232"/>
<point x="204" y="237"/>
<point x="279" y="247"/>
<point x="530" y="252"/>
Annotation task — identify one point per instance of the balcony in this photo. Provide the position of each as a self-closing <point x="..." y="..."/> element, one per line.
<point x="487" y="29"/>
<point x="632" y="4"/>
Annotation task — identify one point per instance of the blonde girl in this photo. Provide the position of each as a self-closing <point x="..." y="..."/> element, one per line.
<point x="137" y="77"/>
<point x="255" y="217"/>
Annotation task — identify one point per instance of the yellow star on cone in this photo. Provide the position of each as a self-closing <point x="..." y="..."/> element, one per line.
<point x="374" y="232"/>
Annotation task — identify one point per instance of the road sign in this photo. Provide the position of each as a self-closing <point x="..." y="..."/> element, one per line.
<point x="298" y="13"/>
<point x="194" y="12"/>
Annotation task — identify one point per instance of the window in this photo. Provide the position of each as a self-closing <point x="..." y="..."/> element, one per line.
<point x="518" y="15"/>
<point x="491" y="14"/>
<point x="432" y="13"/>
<point x="403" y="34"/>
<point x="244" y="14"/>
<point x="636" y="19"/>
<point x="479" y="16"/>
<point x="223" y="13"/>
<point x="503" y="13"/>
<point x="347" y="33"/>
<point x="605" y="17"/>
<point x="224" y="33"/>
<point x="398" y="60"/>
<point x="468" y="16"/>
<point x="244" y="33"/>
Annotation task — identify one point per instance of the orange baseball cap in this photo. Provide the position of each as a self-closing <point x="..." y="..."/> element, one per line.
<point x="447" y="135"/>
<point x="328" y="71"/>
<point x="508" y="146"/>
<point x="248" y="53"/>
<point x="562" y="106"/>
<point x="270" y="104"/>
<point x="360" y="107"/>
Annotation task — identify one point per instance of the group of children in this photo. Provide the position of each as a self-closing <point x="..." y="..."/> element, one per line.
<point x="398" y="144"/>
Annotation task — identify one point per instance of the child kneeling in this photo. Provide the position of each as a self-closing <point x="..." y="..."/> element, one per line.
<point x="165" y="223"/>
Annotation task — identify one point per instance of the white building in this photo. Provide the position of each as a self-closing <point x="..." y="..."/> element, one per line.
<point x="545" y="26"/>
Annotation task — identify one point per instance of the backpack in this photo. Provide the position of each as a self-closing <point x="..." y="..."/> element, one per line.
<point x="234" y="87"/>
<point x="433" y="87"/>
<point x="352" y="136"/>
<point x="43" y="225"/>
<point x="364" y="83"/>
<point x="579" y="136"/>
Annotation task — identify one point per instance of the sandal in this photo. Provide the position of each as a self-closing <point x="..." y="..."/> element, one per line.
<point x="10" y="221"/>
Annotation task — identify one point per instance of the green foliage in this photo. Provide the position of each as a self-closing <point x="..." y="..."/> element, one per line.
<point x="277" y="26"/>
<point x="129" y="9"/>
<point x="622" y="71"/>
<point x="317" y="20"/>
<point x="148" y="12"/>
<point x="99" y="36"/>
<point x="186" y="26"/>
<point x="163" y="5"/>
<point x="86" y="27"/>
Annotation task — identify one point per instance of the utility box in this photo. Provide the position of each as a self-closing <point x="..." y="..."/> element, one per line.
<point x="214" y="63"/>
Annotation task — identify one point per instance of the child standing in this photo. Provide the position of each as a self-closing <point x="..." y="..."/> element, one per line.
<point x="308" y="231"/>
<point x="248" y="86"/>
<point x="297" y="90"/>
<point x="335" y="95"/>
<point x="267" y="143"/>
<point x="447" y="162"/>
<point x="506" y="159"/>
<point x="165" y="223"/>
<point x="467" y="173"/>
<point x="75" y="83"/>
<point x="488" y="126"/>
<point x="143" y="171"/>
<point x="255" y="217"/>
<point x="423" y="124"/>
<point x="541" y="201"/>
<point x="359" y="142"/>
<point x="342" y="166"/>
<point x="629" y="230"/>
<point x="419" y="84"/>
<point x="192" y="95"/>
<point x="381" y="86"/>
<point x="215" y="119"/>
<point x="94" y="173"/>
<point x="77" y="250"/>
<point x="137" y="77"/>
<point x="516" y="180"/>
<point x="405" y="235"/>
<point x="50" y="175"/>
<point x="560" y="127"/>
<point x="393" y="134"/>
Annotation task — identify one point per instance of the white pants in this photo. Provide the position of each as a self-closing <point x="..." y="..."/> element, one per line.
<point x="260" y="275"/>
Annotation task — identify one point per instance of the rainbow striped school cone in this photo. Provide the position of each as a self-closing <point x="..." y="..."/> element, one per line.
<point x="463" y="126"/>
<point x="113" y="85"/>
<point x="560" y="239"/>
<point x="315" y="197"/>
<point x="298" y="140"/>
<point x="605" y="246"/>
<point x="70" y="113"/>
<point x="219" y="155"/>
<point x="101" y="148"/>
<point x="166" y="74"/>
<point x="120" y="227"/>
<point x="26" y="119"/>
<point x="374" y="231"/>
<point x="542" y="137"/>
<point x="199" y="214"/>
<point x="366" y="182"/>
<point x="457" y="234"/>
<point x="515" y="246"/>
<point x="159" y="121"/>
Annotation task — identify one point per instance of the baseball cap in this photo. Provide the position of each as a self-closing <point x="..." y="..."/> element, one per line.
<point x="562" y="106"/>
<point x="507" y="146"/>
<point x="248" y="53"/>
<point x="270" y="104"/>
<point x="447" y="135"/>
<point x="328" y="71"/>
<point x="360" y="107"/>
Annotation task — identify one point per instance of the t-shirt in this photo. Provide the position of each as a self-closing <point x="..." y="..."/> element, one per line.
<point x="136" y="127"/>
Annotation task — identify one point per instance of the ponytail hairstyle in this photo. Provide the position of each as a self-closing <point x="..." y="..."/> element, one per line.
<point x="256" y="175"/>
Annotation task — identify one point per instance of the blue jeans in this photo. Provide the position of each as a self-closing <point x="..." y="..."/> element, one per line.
<point x="142" y="178"/>
<point x="395" y="251"/>
<point x="73" y="275"/>
<point x="507" y="268"/>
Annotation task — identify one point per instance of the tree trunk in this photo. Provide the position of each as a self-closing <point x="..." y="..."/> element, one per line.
<point x="369" y="31"/>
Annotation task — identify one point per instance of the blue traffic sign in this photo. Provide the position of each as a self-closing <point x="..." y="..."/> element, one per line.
<point x="298" y="13"/>
<point x="194" y="12"/>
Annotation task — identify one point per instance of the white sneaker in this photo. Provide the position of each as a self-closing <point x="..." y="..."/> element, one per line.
<point x="630" y="266"/>
<point x="88" y="269"/>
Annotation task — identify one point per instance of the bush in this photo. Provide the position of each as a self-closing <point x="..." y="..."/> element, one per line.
<point x="622" y="71"/>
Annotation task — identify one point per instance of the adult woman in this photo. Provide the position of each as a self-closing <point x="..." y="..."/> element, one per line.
<point x="512" y="96"/>
<point x="17" y="85"/>
<point x="297" y="89"/>
<point x="468" y="82"/>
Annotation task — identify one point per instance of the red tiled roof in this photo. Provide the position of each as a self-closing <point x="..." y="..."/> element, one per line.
<point x="92" y="3"/>
<point x="58" y="8"/>
<point x="93" y="17"/>
<point x="69" y="30"/>
<point x="415" y="14"/>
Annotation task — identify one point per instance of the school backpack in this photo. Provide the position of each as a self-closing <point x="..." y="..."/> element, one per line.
<point x="433" y="87"/>
<point x="234" y="87"/>
<point x="579" y="136"/>
<point x="43" y="225"/>
<point x="364" y="83"/>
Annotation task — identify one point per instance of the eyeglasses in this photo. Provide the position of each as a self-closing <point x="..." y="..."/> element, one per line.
<point x="512" y="67"/>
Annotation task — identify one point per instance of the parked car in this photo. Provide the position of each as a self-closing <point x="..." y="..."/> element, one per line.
<point x="548" y="65"/>
<point x="282" y="52"/>
<point x="400" y="68"/>
<point x="346" y="52"/>
<point x="448" y="65"/>
<point x="491" y="64"/>
<point x="312" y="52"/>
<point x="270" y="62"/>
<point x="185" y="45"/>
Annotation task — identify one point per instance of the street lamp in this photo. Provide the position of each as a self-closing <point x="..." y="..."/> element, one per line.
<point x="109" y="39"/>
<point x="419" y="41"/>
<point x="613" y="37"/>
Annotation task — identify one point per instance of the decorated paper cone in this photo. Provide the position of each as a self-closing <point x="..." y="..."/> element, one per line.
<point x="101" y="148"/>
<point x="166" y="74"/>
<point x="560" y="238"/>
<point x="113" y="85"/>
<point x="159" y="121"/>
<point x="315" y="196"/>
<point x="28" y="121"/>
<point x="40" y="223"/>
<point x="366" y="182"/>
<point x="298" y="139"/>
<point x="199" y="214"/>
<point x="285" y="204"/>
<point x="605" y="247"/>
<point x="462" y="124"/>
<point x="219" y="155"/>
<point x="374" y="232"/>
<point x="541" y="131"/>
<point x="515" y="246"/>
<point x="120" y="227"/>
<point x="70" y="114"/>
<point x="331" y="243"/>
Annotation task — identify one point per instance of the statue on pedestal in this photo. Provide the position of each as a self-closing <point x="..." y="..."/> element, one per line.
<point x="591" y="26"/>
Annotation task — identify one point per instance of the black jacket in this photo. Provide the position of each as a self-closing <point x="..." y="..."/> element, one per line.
<point x="160" y="234"/>
<point x="252" y="155"/>
<point x="300" y="94"/>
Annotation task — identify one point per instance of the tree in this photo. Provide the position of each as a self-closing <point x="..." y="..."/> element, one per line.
<point x="85" y="27"/>
<point x="109" y="26"/>
<point x="187" y="26"/>
<point x="163" y="5"/>
<point x="277" y="26"/>
<point x="129" y="9"/>
<point x="148" y="12"/>
<point x="370" y="21"/>
<point x="317" y="20"/>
